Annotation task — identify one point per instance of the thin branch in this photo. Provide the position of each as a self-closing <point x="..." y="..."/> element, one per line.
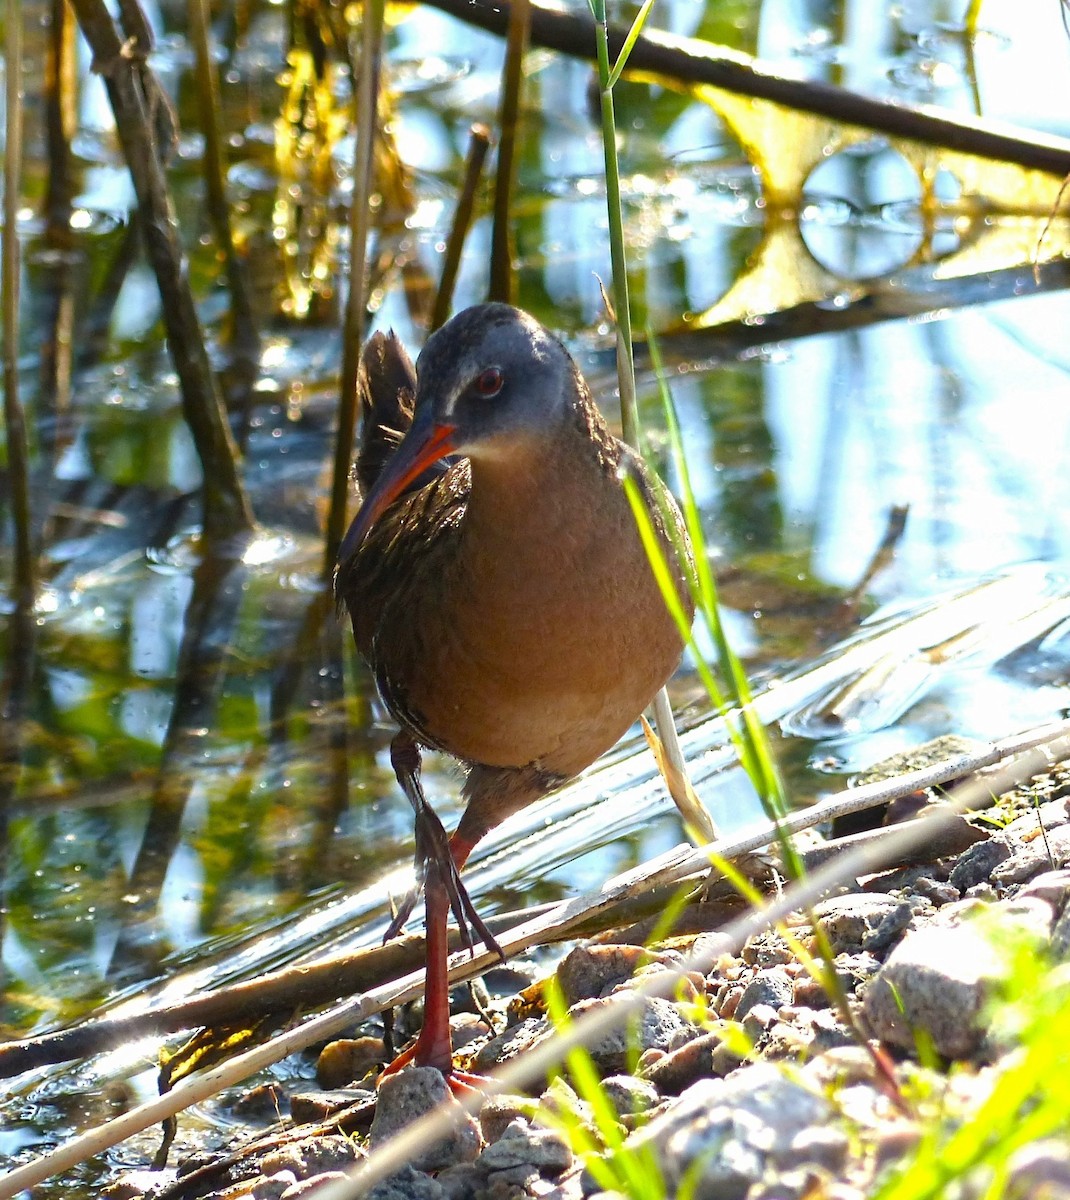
<point x="18" y="453"/>
<point x="141" y="118"/>
<point x="478" y="144"/>
<point x="690" y="61"/>
<point x="501" y="253"/>
<point x="246" y="339"/>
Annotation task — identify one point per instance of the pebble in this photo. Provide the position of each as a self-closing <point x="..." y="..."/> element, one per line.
<point x="673" y="1072"/>
<point x="850" y="922"/>
<point x="1031" y="858"/>
<point x="312" y="1156"/>
<point x="629" y="1095"/>
<point x="772" y="986"/>
<point x="591" y="972"/>
<point x="515" y="1040"/>
<point x="722" y="1134"/>
<point x="272" y="1187"/>
<point x="408" y="1184"/>
<point x="975" y="866"/>
<point x="1039" y="1170"/>
<point x="412" y="1093"/>
<point x="306" y="1107"/>
<point x="1052" y="886"/>
<point x="936" y="980"/>
<point x="522" y="1145"/>
<point x="347" y="1060"/>
<point x="312" y="1185"/>
<point x="656" y="1024"/>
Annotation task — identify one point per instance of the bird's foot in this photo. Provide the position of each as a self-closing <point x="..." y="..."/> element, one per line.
<point x="438" y="1054"/>
<point x="404" y="910"/>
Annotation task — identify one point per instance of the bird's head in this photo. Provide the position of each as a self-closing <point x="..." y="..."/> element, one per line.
<point x="489" y="381"/>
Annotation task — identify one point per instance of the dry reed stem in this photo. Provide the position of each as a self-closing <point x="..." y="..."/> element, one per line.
<point x="367" y="111"/>
<point x="478" y="144"/>
<point x="502" y="241"/>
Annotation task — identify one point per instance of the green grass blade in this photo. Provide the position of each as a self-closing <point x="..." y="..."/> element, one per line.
<point x="629" y="42"/>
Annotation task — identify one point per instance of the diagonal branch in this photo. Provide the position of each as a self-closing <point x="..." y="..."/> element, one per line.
<point x="140" y="110"/>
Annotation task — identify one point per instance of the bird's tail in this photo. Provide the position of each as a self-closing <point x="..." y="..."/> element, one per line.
<point x="386" y="385"/>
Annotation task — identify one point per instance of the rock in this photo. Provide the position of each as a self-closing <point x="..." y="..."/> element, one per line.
<point x="466" y="1028"/>
<point x="772" y="986"/>
<point x="723" y="1134"/>
<point x="271" y="1187"/>
<point x="1052" y="886"/>
<point x="798" y="1184"/>
<point x="523" y="1146"/>
<point x="658" y="1022"/>
<point x="589" y="972"/>
<point x="306" y="1107"/>
<point x="506" y="979"/>
<point x="862" y="920"/>
<point x="629" y="1096"/>
<point x="851" y="970"/>
<point x="1030" y="859"/>
<point x="410" y="1094"/>
<point x="347" y="1060"/>
<point x="938" y="978"/>
<point x="934" y="982"/>
<point x="894" y="1140"/>
<point x="267" y="1101"/>
<point x="1051" y="814"/>
<point x="759" y="1019"/>
<point x="824" y="1146"/>
<point x="462" y="1181"/>
<point x="408" y="1184"/>
<point x="829" y="1031"/>
<point x="312" y="1156"/>
<point x="1040" y="1169"/>
<point x="513" y="1041"/>
<point x="1060" y="937"/>
<point x="500" y="1112"/>
<point x="936" y="890"/>
<point x="976" y="864"/>
<point x="727" y="1000"/>
<point x="766" y="949"/>
<point x="841" y="1066"/>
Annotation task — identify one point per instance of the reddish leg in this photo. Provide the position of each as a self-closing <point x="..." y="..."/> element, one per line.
<point x="438" y="864"/>
<point x="434" y="1047"/>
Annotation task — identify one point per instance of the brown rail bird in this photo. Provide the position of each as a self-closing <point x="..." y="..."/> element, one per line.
<point x="497" y="587"/>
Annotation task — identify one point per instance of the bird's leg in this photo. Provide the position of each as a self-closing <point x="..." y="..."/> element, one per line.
<point x="405" y="759"/>
<point x="438" y="871"/>
<point x="434" y="1046"/>
<point x="434" y="846"/>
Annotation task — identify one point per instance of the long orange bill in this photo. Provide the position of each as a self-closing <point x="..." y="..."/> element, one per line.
<point x="424" y="444"/>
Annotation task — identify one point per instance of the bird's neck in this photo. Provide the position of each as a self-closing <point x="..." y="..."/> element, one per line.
<point x="540" y="487"/>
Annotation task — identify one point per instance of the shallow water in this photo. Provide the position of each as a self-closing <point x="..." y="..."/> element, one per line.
<point x="183" y="818"/>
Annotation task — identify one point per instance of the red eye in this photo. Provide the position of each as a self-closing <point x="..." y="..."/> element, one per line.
<point x="489" y="383"/>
